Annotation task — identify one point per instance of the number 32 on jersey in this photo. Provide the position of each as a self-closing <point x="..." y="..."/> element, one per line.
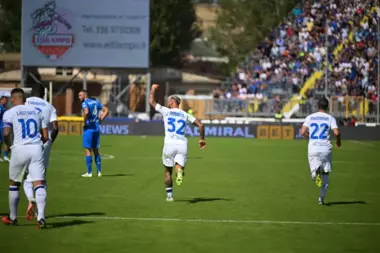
<point x="177" y="126"/>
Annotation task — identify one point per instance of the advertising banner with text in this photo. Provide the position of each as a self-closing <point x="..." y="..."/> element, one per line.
<point x="249" y="131"/>
<point x="85" y="33"/>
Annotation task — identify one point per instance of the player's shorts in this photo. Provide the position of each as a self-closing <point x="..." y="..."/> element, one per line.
<point x="27" y="156"/>
<point x="320" y="160"/>
<point x="91" y="138"/>
<point x="46" y="155"/>
<point x="174" y="153"/>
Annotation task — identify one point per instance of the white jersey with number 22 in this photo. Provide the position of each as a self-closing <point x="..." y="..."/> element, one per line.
<point x="26" y="122"/>
<point x="320" y="124"/>
<point x="175" y="121"/>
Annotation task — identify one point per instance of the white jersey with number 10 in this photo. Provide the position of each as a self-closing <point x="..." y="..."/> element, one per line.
<point x="26" y="123"/>
<point x="320" y="124"/>
<point x="175" y="121"/>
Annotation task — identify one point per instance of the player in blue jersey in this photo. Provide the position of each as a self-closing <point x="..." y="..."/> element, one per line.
<point x="3" y="104"/>
<point x="93" y="114"/>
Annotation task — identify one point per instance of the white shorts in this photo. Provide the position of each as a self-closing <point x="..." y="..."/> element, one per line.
<point x="320" y="160"/>
<point x="27" y="156"/>
<point x="46" y="155"/>
<point x="174" y="153"/>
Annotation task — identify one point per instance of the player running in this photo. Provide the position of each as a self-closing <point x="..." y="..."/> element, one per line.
<point x="93" y="114"/>
<point x="320" y="148"/>
<point x="3" y="104"/>
<point x="50" y="116"/>
<point x="174" y="153"/>
<point x="24" y="123"/>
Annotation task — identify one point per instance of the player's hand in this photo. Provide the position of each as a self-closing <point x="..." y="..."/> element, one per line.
<point x="338" y="144"/>
<point x="155" y="86"/>
<point x="202" y="144"/>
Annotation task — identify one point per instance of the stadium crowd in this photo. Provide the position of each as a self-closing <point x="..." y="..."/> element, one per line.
<point x="297" y="48"/>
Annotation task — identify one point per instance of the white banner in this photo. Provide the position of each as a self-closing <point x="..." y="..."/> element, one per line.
<point x="85" y="33"/>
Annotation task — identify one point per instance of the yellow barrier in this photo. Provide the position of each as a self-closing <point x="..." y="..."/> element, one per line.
<point x="70" y="118"/>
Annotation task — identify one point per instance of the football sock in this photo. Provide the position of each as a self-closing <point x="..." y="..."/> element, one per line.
<point x="325" y="184"/>
<point x="169" y="192"/>
<point x="6" y="153"/>
<point x="28" y="189"/>
<point x="98" y="162"/>
<point x="41" y="197"/>
<point x="14" y="198"/>
<point x="89" y="164"/>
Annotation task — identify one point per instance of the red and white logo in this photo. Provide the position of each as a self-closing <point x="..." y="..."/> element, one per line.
<point x="52" y="32"/>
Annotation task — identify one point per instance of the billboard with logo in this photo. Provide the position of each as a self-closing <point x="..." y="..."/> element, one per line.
<point x="85" y="33"/>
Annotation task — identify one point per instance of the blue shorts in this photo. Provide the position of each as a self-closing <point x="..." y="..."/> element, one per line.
<point x="91" y="138"/>
<point x="1" y="134"/>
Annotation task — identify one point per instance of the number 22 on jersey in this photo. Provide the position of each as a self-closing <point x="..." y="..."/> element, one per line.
<point x="177" y="126"/>
<point x="319" y="131"/>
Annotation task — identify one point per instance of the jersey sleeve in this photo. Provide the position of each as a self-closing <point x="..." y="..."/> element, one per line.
<point x="190" y="118"/>
<point x="53" y="114"/>
<point x="7" y="119"/>
<point x="162" y="109"/>
<point x="84" y="105"/>
<point x="100" y="106"/>
<point x="333" y="123"/>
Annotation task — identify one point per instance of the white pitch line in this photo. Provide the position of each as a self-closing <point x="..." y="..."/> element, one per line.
<point x="221" y="221"/>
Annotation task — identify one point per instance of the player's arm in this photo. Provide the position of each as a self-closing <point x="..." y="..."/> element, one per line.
<point x="84" y="112"/>
<point x="304" y="131"/>
<point x="198" y="123"/>
<point x="105" y="111"/>
<point x="336" y="132"/>
<point x="152" y="100"/>
<point x="54" y="123"/>
<point x="7" y="129"/>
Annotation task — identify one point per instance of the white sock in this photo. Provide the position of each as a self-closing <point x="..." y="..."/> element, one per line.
<point x="28" y="189"/>
<point x="14" y="198"/>
<point x="41" y="197"/>
<point x="169" y="192"/>
<point x="325" y="184"/>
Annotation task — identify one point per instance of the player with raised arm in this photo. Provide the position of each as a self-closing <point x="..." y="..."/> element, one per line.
<point x="50" y="116"/>
<point x="174" y="153"/>
<point x="25" y="123"/>
<point x="93" y="114"/>
<point x="3" y="104"/>
<point x="320" y="149"/>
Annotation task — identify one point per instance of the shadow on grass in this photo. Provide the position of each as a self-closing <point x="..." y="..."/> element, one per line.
<point x="62" y="224"/>
<point x="336" y="203"/>
<point x="76" y="215"/>
<point x="197" y="200"/>
<point x="118" y="175"/>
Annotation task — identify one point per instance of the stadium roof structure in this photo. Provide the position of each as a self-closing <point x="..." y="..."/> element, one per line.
<point x="201" y="50"/>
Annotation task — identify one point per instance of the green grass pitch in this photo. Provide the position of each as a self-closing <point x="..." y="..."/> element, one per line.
<point x="239" y="195"/>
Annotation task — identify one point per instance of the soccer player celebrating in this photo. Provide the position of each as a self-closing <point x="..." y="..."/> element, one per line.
<point x="175" y="148"/>
<point x="25" y="122"/>
<point x="3" y="103"/>
<point x="49" y="114"/>
<point x="319" y="150"/>
<point x="93" y="114"/>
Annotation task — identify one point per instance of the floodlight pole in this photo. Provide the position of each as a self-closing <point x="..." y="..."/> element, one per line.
<point x="22" y="83"/>
<point x="85" y="80"/>
<point x="148" y="84"/>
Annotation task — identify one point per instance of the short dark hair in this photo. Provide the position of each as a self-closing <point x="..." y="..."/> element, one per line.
<point x="323" y="104"/>
<point x="38" y="90"/>
<point x="84" y="91"/>
<point x="3" y="97"/>
<point x="20" y="92"/>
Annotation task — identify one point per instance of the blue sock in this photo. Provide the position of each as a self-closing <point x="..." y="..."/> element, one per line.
<point x="89" y="164"/>
<point x="98" y="162"/>
<point x="6" y="153"/>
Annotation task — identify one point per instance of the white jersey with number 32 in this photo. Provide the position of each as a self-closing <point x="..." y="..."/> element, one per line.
<point x="320" y="124"/>
<point x="175" y="121"/>
<point x="26" y="123"/>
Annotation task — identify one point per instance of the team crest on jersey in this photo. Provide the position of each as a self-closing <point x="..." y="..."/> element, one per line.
<point x="52" y="31"/>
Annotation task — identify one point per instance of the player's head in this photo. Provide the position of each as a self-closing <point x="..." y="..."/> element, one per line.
<point x="38" y="91"/>
<point x="83" y="95"/>
<point x="174" y="101"/>
<point x="323" y="104"/>
<point x="3" y="100"/>
<point x="17" y="96"/>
